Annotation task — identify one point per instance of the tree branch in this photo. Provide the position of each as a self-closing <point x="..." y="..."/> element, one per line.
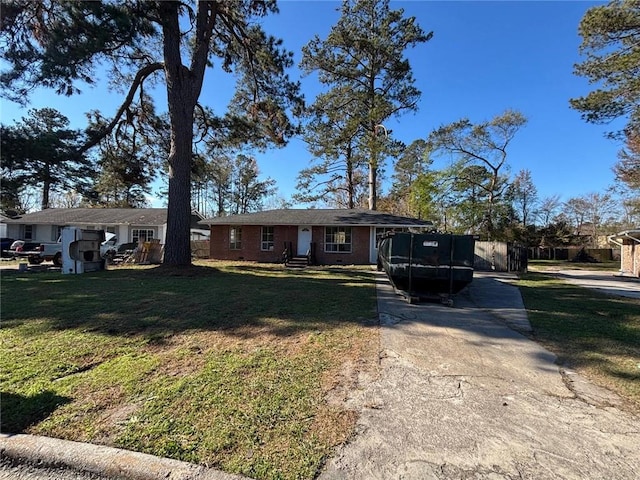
<point x="139" y="79"/>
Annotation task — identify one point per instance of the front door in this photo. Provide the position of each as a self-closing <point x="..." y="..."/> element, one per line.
<point x="304" y="239"/>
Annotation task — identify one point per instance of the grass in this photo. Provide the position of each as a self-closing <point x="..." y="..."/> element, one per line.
<point x="231" y="365"/>
<point x="595" y="334"/>
<point x="547" y="265"/>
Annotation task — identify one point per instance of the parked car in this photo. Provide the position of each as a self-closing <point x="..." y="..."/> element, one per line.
<point x="19" y="246"/>
<point x="5" y="245"/>
<point x="112" y="251"/>
<point x="110" y="246"/>
<point x="37" y="252"/>
<point x="50" y="252"/>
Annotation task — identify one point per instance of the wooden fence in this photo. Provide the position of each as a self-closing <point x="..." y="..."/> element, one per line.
<point x="574" y="253"/>
<point x="200" y="248"/>
<point x="500" y="257"/>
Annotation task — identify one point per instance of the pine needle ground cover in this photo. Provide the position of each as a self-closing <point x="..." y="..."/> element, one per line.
<point x="238" y="366"/>
<point x="595" y="334"/>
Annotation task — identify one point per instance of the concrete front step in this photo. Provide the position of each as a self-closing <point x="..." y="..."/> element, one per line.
<point x="297" y="262"/>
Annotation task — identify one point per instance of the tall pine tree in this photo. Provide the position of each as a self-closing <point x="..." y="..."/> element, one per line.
<point x="61" y="44"/>
<point x="363" y="57"/>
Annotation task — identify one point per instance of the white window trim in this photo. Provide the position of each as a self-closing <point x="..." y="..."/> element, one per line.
<point x="267" y="245"/>
<point x="349" y="243"/>
<point x="237" y="244"/>
<point x="146" y="230"/>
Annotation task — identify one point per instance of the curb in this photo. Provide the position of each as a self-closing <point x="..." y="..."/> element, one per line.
<point x="101" y="460"/>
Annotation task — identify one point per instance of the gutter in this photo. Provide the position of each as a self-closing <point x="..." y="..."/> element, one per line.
<point x="618" y="237"/>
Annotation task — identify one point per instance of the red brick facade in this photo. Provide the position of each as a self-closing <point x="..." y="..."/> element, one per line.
<point x="251" y="242"/>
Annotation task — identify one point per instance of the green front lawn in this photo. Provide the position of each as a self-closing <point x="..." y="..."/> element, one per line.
<point x="229" y="365"/>
<point x="240" y="366"/>
<point x="595" y="334"/>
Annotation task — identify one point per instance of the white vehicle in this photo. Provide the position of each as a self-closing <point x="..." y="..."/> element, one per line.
<point x="110" y="246"/>
<point x="38" y="253"/>
<point x="50" y="252"/>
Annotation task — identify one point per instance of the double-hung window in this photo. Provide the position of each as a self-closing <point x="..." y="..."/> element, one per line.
<point x="56" y="232"/>
<point x="337" y="239"/>
<point x="141" y="235"/>
<point x="267" y="239"/>
<point x="235" y="238"/>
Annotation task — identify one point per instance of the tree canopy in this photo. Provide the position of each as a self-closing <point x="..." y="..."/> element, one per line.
<point x="63" y="45"/>
<point x="611" y="43"/>
<point x="480" y="153"/>
<point x="41" y="152"/>
<point x="363" y="58"/>
<point x="627" y="169"/>
<point x="129" y="157"/>
<point x="332" y="136"/>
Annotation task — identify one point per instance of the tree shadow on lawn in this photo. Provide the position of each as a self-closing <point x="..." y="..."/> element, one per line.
<point x="19" y="412"/>
<point x="159" y="302"/>
<point x="582" y="326"/>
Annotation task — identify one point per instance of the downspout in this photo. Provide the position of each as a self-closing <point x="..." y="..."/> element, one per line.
<point x="613" y="240"/>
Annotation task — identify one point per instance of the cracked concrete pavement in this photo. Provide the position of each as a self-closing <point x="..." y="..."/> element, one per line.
<point x="463" y="396"/>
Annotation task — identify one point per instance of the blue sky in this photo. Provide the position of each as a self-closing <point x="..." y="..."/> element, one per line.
<point x="485" y="57"/>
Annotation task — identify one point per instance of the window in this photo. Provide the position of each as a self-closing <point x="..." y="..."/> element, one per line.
<point x="141" y="235"/>
<point x="56" y="232"/>
<point x="337" y="239"/>
<point x="28" y="232"/>
<point x="235" y="238"/>
<point x="267" y="239"/>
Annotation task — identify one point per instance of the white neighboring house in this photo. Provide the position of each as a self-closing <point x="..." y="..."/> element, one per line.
<point x="130" y="225"/>
<point x="3" y="225"/>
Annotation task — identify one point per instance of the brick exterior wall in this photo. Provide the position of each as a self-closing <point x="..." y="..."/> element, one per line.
<point x="630" y="257"/>
<point x="251" y="242"/>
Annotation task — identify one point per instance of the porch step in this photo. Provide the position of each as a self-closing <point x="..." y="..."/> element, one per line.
<point x="297" y="262"/>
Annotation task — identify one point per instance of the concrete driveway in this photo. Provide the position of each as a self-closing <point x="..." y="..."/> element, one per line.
<point x="463" y="396"/>
<point x="607" y="283"/>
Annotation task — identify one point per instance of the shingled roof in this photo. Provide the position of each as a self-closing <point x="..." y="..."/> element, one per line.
<point x="321" y="217"/>
<point x="98" y="216"/>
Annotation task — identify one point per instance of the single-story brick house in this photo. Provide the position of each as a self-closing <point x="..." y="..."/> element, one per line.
<point x="338" y="236"/>
<point x="130" y="225"/>
<point x="629" y="243"/>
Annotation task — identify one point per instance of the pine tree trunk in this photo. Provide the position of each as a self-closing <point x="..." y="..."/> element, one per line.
<point x="178" y="245"/>
<point x="46" y="188"/>
<point x="373" y="173"/>
<point x="183" y="89"/>
<point x="350" y="185"/>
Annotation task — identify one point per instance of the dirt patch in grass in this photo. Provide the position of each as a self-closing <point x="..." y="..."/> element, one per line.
<point x="182" y="271"/>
